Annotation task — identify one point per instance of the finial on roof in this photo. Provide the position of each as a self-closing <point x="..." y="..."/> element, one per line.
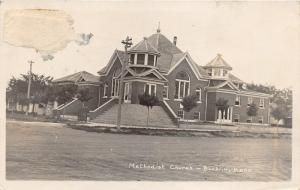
<point x="219" y="55"/>
<point x="158" y="28"/>
<point x="145" y="38"/>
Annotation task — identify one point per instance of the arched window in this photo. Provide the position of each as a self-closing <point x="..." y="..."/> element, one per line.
<point x="115" y="84"/>
<point x="182" y="85"/>
<point x="198" y="93"/>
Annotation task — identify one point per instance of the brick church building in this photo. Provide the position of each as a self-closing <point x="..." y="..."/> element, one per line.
<point x="157" y="66"/>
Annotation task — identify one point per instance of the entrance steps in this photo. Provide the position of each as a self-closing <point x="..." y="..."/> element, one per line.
<point x="136" y="115"/>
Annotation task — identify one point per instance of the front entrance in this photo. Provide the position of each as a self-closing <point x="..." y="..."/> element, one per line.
<point x="127" y="98"/>
<point x="226" y="117"/>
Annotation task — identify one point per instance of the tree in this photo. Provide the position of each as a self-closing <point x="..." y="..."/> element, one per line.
<point x="281" y="109"/>
<point x="149" y="101"/>
<point x="18" y="88"/>
<point x="65" y="93"/>
<point x="222" y="105"/>
<point x="189" y="102"/>
<point x="262" y="88"/>
<point x="252" y="110"/>
<point x="83" y="95"/>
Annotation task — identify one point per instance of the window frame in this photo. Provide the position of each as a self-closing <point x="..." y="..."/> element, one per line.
<point x="150" y="84"/>
<point x="199" y="90"/>
<point x="143" y="60"/>
<point x="251" y="100"/>
<point x="198" y="116"/>
<point x="236" y="116"/>
<point x="115" y="85"/>
<point x="239" y="100"/>
<point x="166" y="89"/>
<point x="178" y="115"/>
<point x="261" y="100"/>
<point x="150" y="55"/>
<point x="105" y="91"/>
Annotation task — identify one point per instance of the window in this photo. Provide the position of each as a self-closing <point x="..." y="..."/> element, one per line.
<point x="249" y="120"/>
<point x="197" y="116"/>
<point x="217" y="72"/>
<point x="209" y="72"/>
<point x="182" y="85"/>
<point x="261" y="103"/>
<point x="236" y="118"/>
<point x="105" y="90"/>
<point x="166" y="92"/>
<point x="225" y="72"/>
<point x="250" y="100"/>
<point x="115" y="85"/>
<point x="237" y="101"/>
<point x="140" y="59"/>
<point x="180" y="114"/>
<point x="260" y="119"/>
<point x="198" y="94"/>
<point x="132" y="58"/>
<point x="150" y="89"/>
<point x="151" y="60"/>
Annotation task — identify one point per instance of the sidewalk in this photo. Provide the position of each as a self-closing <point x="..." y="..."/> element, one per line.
<point x="208" y="130"/>
<point x="202" y="128"/>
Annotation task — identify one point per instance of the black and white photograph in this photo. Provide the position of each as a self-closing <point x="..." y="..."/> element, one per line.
<point x="149" y="92"/>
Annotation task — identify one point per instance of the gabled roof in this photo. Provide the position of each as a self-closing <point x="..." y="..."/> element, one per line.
<point x="123" y="57"/>
<point x="230" y="84"/>
<point x="144" y="74"/>
<point x="234" y="78"/>
<point x="197" y="69"/>
<point x="81" y="76"/>
<point x="218" y="62"/>
<point x="144" y="47"/>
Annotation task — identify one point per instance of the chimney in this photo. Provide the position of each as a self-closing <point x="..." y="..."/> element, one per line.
<point x="175" y="40"/>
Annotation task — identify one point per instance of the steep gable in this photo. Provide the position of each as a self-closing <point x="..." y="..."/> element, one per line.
<point x="118" y="57"/>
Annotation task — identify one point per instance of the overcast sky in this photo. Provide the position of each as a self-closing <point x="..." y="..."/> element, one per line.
<point x="261" y="41"/>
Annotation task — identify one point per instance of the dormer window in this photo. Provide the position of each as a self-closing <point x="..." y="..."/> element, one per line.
<point x="132" y="58"/>
<point x="225" y="72"/>
<point x="140" y="59"/>
<point x="217" y="72"/>
<point x="151" y="60"/>
<point x="143" y="59"/>
<point x="209" y="72"/>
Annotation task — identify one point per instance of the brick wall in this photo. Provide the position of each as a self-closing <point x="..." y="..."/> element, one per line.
<point x="194" y="83"/>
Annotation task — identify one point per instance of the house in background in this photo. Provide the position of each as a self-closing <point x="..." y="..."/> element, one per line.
<point x="157" y="66"/>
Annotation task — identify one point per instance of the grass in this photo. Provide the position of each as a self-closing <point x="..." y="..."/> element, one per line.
<point x="48" y="151"/>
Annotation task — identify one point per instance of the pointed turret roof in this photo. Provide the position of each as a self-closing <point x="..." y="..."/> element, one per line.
<point x="144" y="47"/>
<point x="218" y="62"/>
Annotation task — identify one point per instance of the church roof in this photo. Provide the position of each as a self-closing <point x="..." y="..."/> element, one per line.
<point x="169" y="56"/>
<point x="144" y="46"/>
<point x="123" y="57"/>
<point x="218" y="62"/>
<point x="81" y="76"/>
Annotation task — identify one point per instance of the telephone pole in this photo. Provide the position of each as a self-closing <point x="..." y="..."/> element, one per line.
<point x="29" y="85"/>
<point x="127" y="44"/>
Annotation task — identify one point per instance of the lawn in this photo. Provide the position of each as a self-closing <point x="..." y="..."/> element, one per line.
<point x="49" y="151"/>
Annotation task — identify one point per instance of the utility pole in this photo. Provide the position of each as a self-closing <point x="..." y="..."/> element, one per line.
<point x="127" y="44"/>
<point x="29" y="85"/>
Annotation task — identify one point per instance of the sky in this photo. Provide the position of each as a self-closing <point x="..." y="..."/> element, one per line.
<point x="260" y="40"/>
